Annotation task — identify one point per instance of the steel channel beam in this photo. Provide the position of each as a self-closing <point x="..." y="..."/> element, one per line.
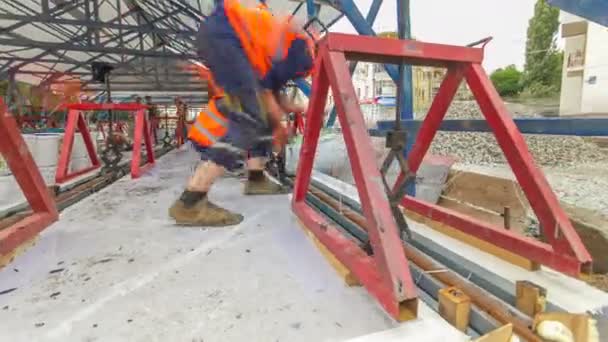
<point x="96" y="24"/>
<point x="127" y="63"/>
<point x="57" y="11"/>
<point x="83" y="36"/>
<point x="115" y="74"/>
<point x="53" y="30"/>
<point x="99" y="49"/>
<point x="480" y="322"/>
<point x="502" y="311"/>
<point x="489" y="281"/>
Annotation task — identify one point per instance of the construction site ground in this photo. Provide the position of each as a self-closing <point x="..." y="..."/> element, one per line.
<point x="115" y="268"/>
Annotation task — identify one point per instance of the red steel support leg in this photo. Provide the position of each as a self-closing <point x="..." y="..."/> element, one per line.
<point x="430" y="126"/>
<point x="312" y="131"/>
<point x="385" y="274"/>
<point x="555" y="225"/>
<point x="382" y="229"/>
<point x="22" y="165"/>
<point x="75" y="119"/>
<point x="142" y="134"/>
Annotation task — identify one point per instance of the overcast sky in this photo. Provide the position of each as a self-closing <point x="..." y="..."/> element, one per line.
<point x="461" y="22"/>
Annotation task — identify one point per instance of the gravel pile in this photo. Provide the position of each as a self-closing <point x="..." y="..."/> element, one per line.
<point x="482" y="149"/>
<point x="470" y="110"/>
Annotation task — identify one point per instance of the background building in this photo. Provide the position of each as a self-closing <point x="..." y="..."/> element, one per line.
<point x="372" y="81"/>
<point x="585" y="68"/>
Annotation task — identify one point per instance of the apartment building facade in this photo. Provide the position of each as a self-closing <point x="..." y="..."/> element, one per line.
<point x="371" y="81"/>
<point x="585" y="68"/>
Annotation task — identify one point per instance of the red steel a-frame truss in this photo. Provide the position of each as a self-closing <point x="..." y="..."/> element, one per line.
<point x="14" y="149"/>
<point x="385" y="274"/>
<point x="142" y="135"/>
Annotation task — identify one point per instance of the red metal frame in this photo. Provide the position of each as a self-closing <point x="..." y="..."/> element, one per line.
<point x="142" y="134"/>
<point x="22" y="165"/>
<point x="75" y="119"/>
<point x="563" y="250"/>
<point x="386" y="274"/>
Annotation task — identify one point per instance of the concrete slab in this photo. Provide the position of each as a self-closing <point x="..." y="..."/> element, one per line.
<point x="115" y="268"/>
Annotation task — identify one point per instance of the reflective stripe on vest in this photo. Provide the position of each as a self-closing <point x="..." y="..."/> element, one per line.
<point x="216" y="118"/>
<point x="203" y="130"/>
<point x="202" y="133"/>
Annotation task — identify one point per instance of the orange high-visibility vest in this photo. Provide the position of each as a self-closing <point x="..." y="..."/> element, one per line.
<point x="264" y="38"/>
<point x="209" y="126"/>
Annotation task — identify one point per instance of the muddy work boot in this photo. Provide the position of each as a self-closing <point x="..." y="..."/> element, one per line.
<point x="195" y="209"/>
<point x="258" y="184"/>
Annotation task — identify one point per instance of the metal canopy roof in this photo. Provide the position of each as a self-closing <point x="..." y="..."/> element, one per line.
<point x="148" y="41"/>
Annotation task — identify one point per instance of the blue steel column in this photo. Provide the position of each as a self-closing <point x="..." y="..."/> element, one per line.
<point x="311" y="11"/>
<point x="407" y="103"/>
<point x="370" y="19"/>
<point x="353" y="14"/>
<point x="404" y="32"/>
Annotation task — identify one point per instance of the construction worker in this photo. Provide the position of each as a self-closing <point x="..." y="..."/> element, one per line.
<point x="209" y="134"/>
<point x="250" y="70"/>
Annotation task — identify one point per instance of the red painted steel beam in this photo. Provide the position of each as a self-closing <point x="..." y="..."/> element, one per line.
<point x="128" y="107"/>
<point x="142" y="135"/>
<point x="394" y="51"/>
<point x="351" y="256"/>
<point x="24" y="169"/>
<point x="527" y="247"/>
<point x="555" y="224"/>
<point x="75" y="119"/>
<point x="394" y="291"/>
<point x="382" y="228"/>
<point x="312" y="131"/>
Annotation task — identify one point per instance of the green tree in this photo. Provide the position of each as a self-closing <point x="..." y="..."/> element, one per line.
<point x="542" y="74"/>
<point x="507" y="81"/>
